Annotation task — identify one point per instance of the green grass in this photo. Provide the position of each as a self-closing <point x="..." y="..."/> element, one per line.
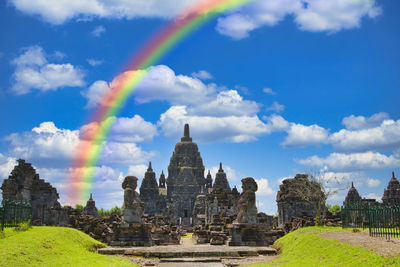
<point x="304" y="247"/>
<point x="53" y="246"/>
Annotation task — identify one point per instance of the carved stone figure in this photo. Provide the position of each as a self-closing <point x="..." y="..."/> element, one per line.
<point x="133" y="207"/>
<point x="247" y="202"/>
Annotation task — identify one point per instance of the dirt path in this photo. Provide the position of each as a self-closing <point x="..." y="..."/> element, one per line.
<point x="379" y="245"/>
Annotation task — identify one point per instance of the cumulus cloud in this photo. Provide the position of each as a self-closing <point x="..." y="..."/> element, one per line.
<point x="98" y="31"/>
<point x="137" y="170"/>
<point x="48" y="146"/>
<point x="353" y="161"/>
<point x="61" y="11"/>
<point x="202" y="75"/>
<point x="264" y="188"/>
<point x="360" y="122"/>
<point x="301" y="136"/>
<point x="6" y="166"/>
<point x="310" y="15"/>
<point x="32" y="71"/>
<point x="213" y="129"/>
<point x="375" y="132"/>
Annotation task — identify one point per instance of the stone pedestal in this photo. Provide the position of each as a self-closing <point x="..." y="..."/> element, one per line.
<point x="248" y="234"/>
<point x="133" y="234"/>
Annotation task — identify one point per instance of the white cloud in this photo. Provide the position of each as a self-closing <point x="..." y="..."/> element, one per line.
<point x="123" y="129"/>
<point x="269" y="91"/>
<point x="301" y="136"/>
<point x="94" y="62"/>
<point x="6" y="166"/>
<point x="44" y="143"/>
<point x="59" y="55"/>
<point x="95" y="93"/>
<point x="137" y="170"/>
<point x="367" y="134"/>
<point x="212" y="129"/>
<point x="49" y="146"/>
<point x="98" y="31"/>
<point x="360" y="122"/>
<point x="33" y="72"/>
<point x="226" y="103"/>
<point x="276" y="107"/>
<point x="354" y="161"/>
<point x="373" y="182"/>
<point x="202" y="75"/>
<point x="310" y="15"/>
<point x="60" y="11"/>
<point x="264" y="188"/>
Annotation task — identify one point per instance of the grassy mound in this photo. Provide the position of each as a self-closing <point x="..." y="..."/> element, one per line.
<point x="304" y="247"/>
<point x="53" y="246"/>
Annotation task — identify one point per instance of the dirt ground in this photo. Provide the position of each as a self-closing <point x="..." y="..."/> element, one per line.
<point x="379" y="245"/>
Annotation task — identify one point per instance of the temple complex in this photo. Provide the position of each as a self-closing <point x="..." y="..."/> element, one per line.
<point x="391" y="195"/>
<point x="186" y="192"/>
<point x="352" y="196"/>
<point x="24" y="184"/>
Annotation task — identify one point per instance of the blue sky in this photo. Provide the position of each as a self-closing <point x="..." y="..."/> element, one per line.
<point x="271" y="89"/>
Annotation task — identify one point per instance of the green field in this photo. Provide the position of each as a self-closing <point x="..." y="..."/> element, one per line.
<point x="53" y="246"/>
<point x="304" y="247"/>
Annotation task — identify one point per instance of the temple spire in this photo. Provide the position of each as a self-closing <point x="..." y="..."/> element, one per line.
<point x="186" y="134"/>
<point x="393" y="175"/>
<point x="149" y="168"/>
<point x="220" y="167"/>
<point x="352" y="185"/>
<point x="90" y="197"/>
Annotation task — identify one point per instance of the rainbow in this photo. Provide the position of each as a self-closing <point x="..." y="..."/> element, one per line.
<point x="89" y="148"/>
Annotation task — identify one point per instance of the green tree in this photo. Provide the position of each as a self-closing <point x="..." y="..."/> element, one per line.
<point x="79" y="207"/>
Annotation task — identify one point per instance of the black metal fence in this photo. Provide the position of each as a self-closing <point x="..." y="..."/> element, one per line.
<point x="12" y="213"/>
<point x="383" y="221"/>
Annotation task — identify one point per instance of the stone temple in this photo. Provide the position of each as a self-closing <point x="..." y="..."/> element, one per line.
<point x="185" y="183"/>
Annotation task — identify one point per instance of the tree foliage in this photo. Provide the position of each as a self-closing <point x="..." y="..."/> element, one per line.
<point x="103" y="212"/>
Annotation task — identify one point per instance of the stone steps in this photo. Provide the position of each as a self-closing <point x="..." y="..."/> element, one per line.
<point x="193" y="251"/>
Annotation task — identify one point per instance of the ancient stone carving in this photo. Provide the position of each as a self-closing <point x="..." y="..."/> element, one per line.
<point x="24" y="184"/>
<point x="391" y="195"/>
<point x="246" y="205"/>
<point x="133" y="207"/>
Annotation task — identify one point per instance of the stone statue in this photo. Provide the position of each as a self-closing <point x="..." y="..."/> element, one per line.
<point x="247" y="210"/>
<point x="133" y="207"/>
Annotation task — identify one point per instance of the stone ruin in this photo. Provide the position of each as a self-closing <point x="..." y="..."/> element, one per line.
<point x="132" y="231"/>
<point x="150" y="193"/>
<point x="24" y="184"/>
<point x="291" y="199"/>
<point x="245" y="230"/>
<point x="90" y="208"/>
<point x="391" y="195"/>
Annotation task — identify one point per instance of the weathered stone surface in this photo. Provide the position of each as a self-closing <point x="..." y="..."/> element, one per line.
<point x="391" y="195"/>
<point x="221" y="182"/>
<point x="24" y="184"/>
<point x="185" y="176"/>
<point x="248" y="234"/>
<point x="161" y="181"/>
<point x="352" y="196"/>
<point x="133" y="207"/>
<point x="132" y="234"/>
<point x="150" y="195"/>
<point x="90" y="208"/>
<point x="290" y="200"/>
<point x="247" y="210"/>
